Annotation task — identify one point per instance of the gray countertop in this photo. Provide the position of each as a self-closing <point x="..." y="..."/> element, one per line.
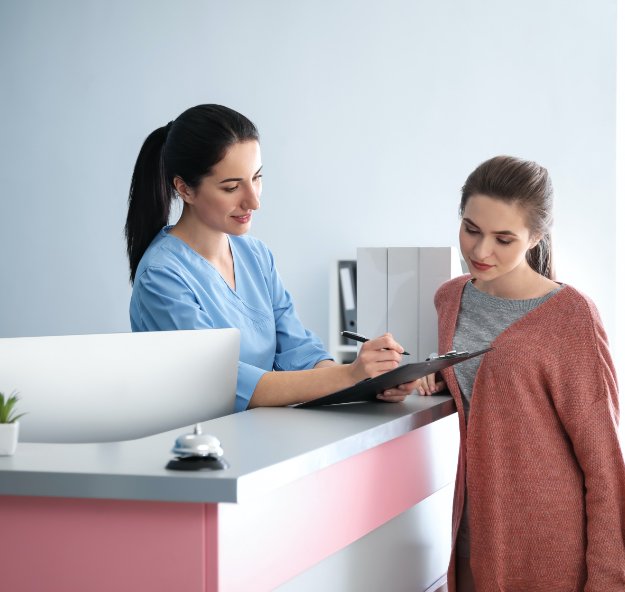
<point x="266" y="448"/>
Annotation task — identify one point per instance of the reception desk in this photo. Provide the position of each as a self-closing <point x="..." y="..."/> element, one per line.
<point x="304" y="486"/>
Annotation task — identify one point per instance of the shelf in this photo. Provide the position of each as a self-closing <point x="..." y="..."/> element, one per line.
<point x="343" y="353"/>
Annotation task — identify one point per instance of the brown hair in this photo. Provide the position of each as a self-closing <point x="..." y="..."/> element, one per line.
<point x="527" y="184"/>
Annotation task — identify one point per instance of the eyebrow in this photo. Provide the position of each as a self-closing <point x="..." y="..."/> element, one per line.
<point x="506" y="232"/>
<point x="237" y="179"/>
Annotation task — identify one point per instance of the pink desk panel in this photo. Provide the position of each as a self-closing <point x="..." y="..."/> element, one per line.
<point x="85" y="545"/>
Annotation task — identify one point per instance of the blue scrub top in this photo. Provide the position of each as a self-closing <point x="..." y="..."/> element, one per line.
<point x="176" y="288"/>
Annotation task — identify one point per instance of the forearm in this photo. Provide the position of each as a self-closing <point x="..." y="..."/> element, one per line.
<point x="286" y="388"/>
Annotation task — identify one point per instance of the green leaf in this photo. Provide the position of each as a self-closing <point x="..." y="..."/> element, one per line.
<point x="16" y="417"/>
<point x="7" y="408"/>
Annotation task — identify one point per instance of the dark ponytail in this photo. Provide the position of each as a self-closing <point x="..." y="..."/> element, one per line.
<point x="187" y="147"/>
<point x="522" y="182"/>
<point x="149" y="202"/>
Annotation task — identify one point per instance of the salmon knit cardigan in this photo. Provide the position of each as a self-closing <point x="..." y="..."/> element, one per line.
<point x="541" y="455"/>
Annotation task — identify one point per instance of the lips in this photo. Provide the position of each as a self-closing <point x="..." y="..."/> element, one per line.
<point x="243" y="219"/>
<point x="481" y="266"/>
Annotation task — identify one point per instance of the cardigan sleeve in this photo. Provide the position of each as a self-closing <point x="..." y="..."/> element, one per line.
<point x="597" y="449"/>
<point x="587" y="403"/>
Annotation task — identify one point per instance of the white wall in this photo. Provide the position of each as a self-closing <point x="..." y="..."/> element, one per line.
<point x="371" y="115"/>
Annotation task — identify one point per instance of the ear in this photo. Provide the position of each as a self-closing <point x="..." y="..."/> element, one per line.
<point x="183" y="190"/>
<point x="535" y="240"/>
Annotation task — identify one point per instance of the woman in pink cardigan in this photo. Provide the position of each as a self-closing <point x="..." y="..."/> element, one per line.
<point x="539" y="503"/>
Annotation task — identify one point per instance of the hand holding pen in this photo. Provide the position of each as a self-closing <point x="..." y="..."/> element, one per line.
<point x="377" y="356"/>
<point x="363" y="339"/>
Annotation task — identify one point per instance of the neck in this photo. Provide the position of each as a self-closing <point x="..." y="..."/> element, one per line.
<point x="213" y="246"/>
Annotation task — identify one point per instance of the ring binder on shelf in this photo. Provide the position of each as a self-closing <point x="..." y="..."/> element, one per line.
<point x="347" y="289"/>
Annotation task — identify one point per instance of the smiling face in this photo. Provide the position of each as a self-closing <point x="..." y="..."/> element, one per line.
<point x="494" y="240"/>
<point x="224" y="201"/>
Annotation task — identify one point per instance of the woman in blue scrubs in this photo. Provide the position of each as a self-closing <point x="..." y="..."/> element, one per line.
<point x="205" y="272"/>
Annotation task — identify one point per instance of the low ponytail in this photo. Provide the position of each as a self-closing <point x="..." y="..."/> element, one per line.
<point x="540" y="258"/>
<point x="149" y="200"/>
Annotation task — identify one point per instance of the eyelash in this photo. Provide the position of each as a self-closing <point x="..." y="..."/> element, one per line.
<point x="501" y="241"/>
<point x="233" y="189"/>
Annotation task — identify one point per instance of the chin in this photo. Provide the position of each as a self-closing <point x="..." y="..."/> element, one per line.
<point x="485" y="276"/>
<point x="240" y="230"/>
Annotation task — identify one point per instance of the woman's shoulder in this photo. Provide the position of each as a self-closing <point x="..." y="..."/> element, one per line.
<point x="574" y="302"/>
<point x="451" y="289"/>
<point x="156" y="252"/>
<point x="167" y="254"/>
<point x="570" y="318"/>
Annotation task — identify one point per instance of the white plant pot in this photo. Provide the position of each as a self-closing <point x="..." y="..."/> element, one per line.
<point x="8" y="438"/>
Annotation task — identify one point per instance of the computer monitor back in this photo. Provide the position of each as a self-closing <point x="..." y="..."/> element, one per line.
<point x="119" y="386"/>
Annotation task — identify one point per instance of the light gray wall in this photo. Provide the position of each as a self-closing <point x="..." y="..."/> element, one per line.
<point x="371" y="115"/>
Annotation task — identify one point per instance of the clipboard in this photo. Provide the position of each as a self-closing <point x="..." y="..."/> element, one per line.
<point x="368" y="389"/>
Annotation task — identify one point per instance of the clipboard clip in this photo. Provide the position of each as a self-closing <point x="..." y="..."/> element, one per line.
<point x="449" y="355"/>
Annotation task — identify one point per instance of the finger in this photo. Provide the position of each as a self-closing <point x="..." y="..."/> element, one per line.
<point x="419" y="386"/>
<point x="391" y="396"/>
<point x="383" y="363"/>
<point x="385" y="341"/>
<point x="395" y="392"/>
<point x="424" y="386"/>
<point x="437" y="387"/>
<point x="384" y="355"/>
<point x="383" y="367"/>
<point x="379" y="355"/>
<point x="431" y="382"/>
<point x="395" y="345"/>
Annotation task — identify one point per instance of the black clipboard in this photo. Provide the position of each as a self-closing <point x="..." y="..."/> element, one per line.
<point x="368" y="389"/>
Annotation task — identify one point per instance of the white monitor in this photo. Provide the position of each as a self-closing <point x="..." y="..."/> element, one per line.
<point x="119" y="386"/>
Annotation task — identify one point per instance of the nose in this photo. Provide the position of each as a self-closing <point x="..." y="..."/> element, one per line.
<point x="251" y="198"/>
<point x="482" y="249"/>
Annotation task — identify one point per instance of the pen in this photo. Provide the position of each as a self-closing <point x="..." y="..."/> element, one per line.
<point x="361" y="338"/>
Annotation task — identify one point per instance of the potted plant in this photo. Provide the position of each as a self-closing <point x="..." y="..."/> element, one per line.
<point x="9" y="426"/>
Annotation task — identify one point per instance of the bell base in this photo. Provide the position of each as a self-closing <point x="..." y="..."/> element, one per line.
<point x="197" y="463"/>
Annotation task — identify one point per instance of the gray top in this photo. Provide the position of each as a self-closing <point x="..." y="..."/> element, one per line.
<point x="267" y="448"/>
<point x="481" y="319"/>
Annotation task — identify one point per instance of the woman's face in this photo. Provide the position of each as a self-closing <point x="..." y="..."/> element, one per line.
<point x="225" y="200"/>
<point x="494" y="238"/>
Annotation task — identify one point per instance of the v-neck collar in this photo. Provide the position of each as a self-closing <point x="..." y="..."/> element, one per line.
<point x="235" y="263"/>
<point x="236" y="297"/>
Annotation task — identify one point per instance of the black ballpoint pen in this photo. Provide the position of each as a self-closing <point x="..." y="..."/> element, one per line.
<point x="361" y="338"/>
